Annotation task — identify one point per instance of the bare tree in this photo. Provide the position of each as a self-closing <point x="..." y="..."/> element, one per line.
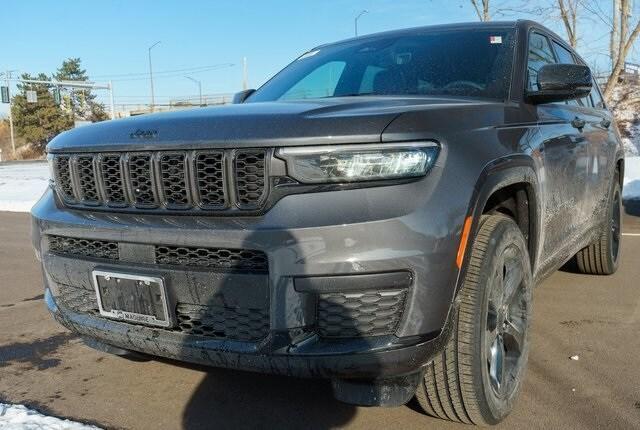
<point x="569" y="15"/>
<point x="625" y="42"/>
<point x="614" y="39"/>
<point x="482" y="9"/>
<point x="566" y="11"/>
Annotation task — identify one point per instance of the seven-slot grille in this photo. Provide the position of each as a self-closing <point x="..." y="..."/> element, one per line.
<point x="207" y="180"/>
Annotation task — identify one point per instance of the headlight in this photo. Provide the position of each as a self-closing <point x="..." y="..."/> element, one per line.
<point x="351" y="163"/>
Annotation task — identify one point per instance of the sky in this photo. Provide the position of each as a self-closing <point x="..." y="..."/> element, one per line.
<point x="208" y="38"/>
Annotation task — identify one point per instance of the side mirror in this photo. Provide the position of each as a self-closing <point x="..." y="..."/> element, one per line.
<point x="242" y="96"/>
<point x="560" y="82"/>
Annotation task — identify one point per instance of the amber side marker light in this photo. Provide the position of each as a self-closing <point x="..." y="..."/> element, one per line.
<point x="463" y="241"/>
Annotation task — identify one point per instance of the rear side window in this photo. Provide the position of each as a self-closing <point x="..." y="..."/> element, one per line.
<point x="540" y="54"/>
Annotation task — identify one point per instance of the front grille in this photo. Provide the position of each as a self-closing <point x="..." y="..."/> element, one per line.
<point x="88" y="188"/>
<point x="370" y="313"/>
<point x="221" y="322"/>
<point x="210" y="180"/>
<point x="78" y="299"/>
<point x="141" y="181"/>
<point x="87" y="248"/>
<point x="218" y="322"/>
<point x="250" y="177"/>
<point x="216" y="258"/>
<point x="173" y="173"/>
<point x="246" y="260"/>
<point x="199" y="181"/>
<point x="62" y="171"/>
<point x="113" y="180"/>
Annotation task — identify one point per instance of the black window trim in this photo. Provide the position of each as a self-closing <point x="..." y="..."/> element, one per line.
<point x="525" y="75"/>
<point x="578" y="60"/>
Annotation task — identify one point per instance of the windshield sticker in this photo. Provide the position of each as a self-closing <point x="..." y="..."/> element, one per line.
<point x="308" y="54"/>
<point x="495" y="39"/>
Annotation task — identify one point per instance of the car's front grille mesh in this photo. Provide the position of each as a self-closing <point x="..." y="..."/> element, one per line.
<point x="174" y="179"/>
<point x="367" y="313"/>
<point x="245" y="260"/>
<point x="77" y="299"/>
<point x="113" y="180"/>
<point x="141" y="180"/>
<point x="62" y="171"/>
<point x="218" y="322"/>
<point x="86" y="248"/>
<point x="215" y="258"/>
<point x="210" y="179"/>
<point x="195" y="181"/>
<point x="250" y="177"/>
<point x="223" y="322"/>
<point x="88" y="188"/>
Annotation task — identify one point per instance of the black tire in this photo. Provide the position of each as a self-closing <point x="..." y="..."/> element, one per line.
<point x="603" y="256"/>
<point x="458" y="384"/>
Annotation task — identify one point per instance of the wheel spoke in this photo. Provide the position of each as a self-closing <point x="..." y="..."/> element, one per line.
<point x="496" y="362"/>
<point x="512" y="282"/>
<point x="515" y="334"/>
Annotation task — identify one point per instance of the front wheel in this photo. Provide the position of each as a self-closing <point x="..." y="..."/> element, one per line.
<point x="477" y="377"/>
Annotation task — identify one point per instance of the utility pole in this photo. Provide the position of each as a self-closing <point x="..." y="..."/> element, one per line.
<point x="13" y="140"/>
<point x="245" y="84"/>
<point x="355" y="21"/>
<point x="153" y="99"/>
<point x="199" y="87"/>
<point x="113" y="108"/>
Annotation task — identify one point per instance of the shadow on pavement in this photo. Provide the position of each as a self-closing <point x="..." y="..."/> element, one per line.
<point x="234" y="399"/>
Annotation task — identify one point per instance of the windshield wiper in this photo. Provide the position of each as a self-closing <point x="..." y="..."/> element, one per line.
<point x="353" y="95"/>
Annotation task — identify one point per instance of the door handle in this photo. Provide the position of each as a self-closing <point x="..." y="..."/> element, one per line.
<point x="606" y="123"/>
<point x="578" y="123"/>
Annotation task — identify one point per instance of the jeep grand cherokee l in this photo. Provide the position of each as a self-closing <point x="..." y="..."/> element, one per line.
<point x="376" y="214"/>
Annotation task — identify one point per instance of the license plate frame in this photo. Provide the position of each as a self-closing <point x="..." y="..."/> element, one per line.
<point x="129" y="315"/>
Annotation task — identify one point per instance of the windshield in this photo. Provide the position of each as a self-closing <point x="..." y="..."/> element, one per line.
<point x="473" y="63"/>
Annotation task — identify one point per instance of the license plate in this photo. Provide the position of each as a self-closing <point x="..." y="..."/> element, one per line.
<point x="139" y="299"/>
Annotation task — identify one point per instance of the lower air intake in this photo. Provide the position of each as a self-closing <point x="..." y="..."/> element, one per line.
<point x="360" y="314"/>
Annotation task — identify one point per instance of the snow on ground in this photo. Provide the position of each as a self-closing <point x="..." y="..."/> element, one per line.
<point x="631" y="189"/>
<point x="22" y="184"/>
<point x="18" y="417"/>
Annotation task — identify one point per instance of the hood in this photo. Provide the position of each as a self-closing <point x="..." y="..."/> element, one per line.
<point x="315" y="122"/>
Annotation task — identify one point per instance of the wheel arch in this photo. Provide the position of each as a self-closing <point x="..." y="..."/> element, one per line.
<point x="619" y="167"/>
<point x="511" y="173"/>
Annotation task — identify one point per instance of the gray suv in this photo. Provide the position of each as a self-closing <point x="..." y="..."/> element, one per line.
<point x="376" y="214"/>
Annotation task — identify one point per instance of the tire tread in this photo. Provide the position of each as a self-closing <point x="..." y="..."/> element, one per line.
<point x="448" y="390"/>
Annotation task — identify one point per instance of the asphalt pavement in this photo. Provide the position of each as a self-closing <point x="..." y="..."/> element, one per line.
<point x="46" y="367"/>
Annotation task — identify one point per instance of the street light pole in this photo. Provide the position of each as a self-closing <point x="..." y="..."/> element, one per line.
<point x="153" y="99"/>
<point x="199" y="87"/>
<point x="355" y="21"/>
<point x="13" y="141"/>
<point x="113" y="109"/>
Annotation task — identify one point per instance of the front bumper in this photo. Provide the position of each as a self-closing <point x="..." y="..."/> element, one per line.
<point x="338" y="361"/>
<point x="374" y="230"/>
